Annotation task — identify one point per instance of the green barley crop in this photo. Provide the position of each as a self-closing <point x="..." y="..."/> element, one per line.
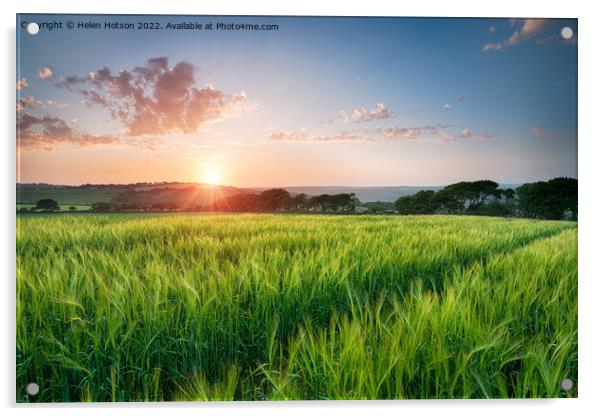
<point x="276" y="307"/>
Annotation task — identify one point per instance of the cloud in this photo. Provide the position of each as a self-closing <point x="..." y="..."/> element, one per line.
<point x="28" y="102"/>
<point x="467" y="133"/>
<point x="45" y="73"/>
<point x="22" y="83"/>
<point x="438" y="133"/>
<point x="359" y="115"/>
<point x="482" y="137"/>
<point x="540" y="132"/>
<point x="156" y="99"/>
<point x="492" y="47"/>
<point x="401" y="133"/>
<point x="287" y="136"/>
<point x="31" y="102"/>
<point x="363" y="114"/>
<point x="446" y="106"/>
<point x="47" y="133"/>
<point x="530" y="29"/>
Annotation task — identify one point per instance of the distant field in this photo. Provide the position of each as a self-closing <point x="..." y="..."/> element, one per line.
<point x="62" y="207"/>
<point x="254" y="307"/>
<point x="67" y="196"/>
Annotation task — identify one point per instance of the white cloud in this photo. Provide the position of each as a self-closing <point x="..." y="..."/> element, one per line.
<point x="359" y="115"/>
<point x="45" y="73"/>
<point x="22" y="83"/>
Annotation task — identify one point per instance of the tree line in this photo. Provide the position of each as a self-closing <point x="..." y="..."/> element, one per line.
<point x="554" y="199"/>
<point x="280" y="200"/>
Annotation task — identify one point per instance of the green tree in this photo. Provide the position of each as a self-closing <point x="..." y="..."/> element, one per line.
<point x="423" y="202"/>
<point x="299" y="201"/>
<point x="548" y="200"/>
<point x="101" y="206"/>
<point x="274" y="200"/>
<point x="475" y="194"/>
<point x="47" y="205"/>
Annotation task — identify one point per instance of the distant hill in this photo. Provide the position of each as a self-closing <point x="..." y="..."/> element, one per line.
<point x="185" y="196"/>
<point x="181" y="194"/>
<point x="193" y="194"/>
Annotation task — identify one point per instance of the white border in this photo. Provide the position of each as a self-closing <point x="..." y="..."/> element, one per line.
<point x="590" y="201"/>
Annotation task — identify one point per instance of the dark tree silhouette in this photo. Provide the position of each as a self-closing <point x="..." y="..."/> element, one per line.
<point x="101" y="207"/>
<point x="473" y="195"/>
<point x="553" y="199"/>
<point x="47" y="205"/>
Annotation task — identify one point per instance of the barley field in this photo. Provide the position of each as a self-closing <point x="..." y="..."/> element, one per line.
<point x="285" y="307"/>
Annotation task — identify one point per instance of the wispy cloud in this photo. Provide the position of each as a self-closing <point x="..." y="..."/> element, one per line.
<point x="28" y="102"/>
<point x="437" y="133"/>
<point x="447" y="105"/>
<point x="541" y="132"/>
<point x="359" y="115"/>
<point x="287" y="136"/>
<point x="528" y="29"/>
<point x="22" y="83"/>
<point x="47" y="133"/>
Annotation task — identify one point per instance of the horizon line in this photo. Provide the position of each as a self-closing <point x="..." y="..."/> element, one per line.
<point x="281" y="186"/>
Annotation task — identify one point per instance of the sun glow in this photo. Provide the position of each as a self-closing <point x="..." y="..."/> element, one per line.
<point x="212" y="176"/>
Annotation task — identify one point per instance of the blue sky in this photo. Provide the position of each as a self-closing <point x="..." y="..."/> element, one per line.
<point x="320" y="101"/>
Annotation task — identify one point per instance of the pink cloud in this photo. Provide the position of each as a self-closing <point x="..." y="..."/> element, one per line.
<point x="540" y="132"/>
<point x="47" y="133"/>
<point x="156" y="99"/>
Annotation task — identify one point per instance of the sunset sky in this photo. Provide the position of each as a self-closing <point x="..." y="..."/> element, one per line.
<point x="320" y="101"/>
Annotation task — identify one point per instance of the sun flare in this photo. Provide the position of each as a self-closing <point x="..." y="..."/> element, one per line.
<point x="212" y="176"/>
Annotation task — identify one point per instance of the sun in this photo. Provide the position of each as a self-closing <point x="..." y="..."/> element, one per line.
<point x="212" y="176"/>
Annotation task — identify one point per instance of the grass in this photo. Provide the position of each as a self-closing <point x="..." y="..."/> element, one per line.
<point x="255" y="307"/>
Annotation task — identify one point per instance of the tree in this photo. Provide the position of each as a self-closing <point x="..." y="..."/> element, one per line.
<point x="101" y="206"/>
<point x="423" y="202"/>
<point x="72" y="209"/>
<point x="274" y="200"/>
<point x="344" y="202"/>
<point x="47" y="205"/>
<point x="299" y="201"/>
<point x="474" y="194"/>
<point x="445" y="201"/>
<point x="548" y="200"/>
<point x="320" y="201"/>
